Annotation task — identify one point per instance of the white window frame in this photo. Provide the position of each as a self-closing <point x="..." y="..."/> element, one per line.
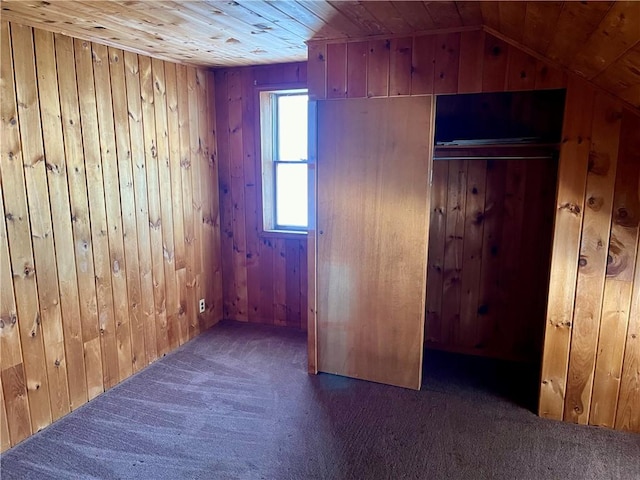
<point x="267" y="117"/>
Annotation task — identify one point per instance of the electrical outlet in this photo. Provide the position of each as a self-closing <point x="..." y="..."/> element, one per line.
<point x="201" y="305"/>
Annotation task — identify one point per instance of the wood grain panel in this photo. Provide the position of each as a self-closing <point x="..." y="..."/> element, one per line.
<point x="75" y="216"/>
<point x="34" y="159"/>
<point x="447" y="55"/>
<point x="435" y="267"/>
<point x="83" y="247"/>
<point x="628" y="413"/>
<point x="422" y="65"/>
<point x="583" y="37"/>
<point x="400" y="69"/>
<point x="593" y="258"/>
<point x="378" y="63"/>
<point x="262" y="273"/>
<point x="336" y="70"/>
<point x="501" y="71"/>
<point x="60" y="207"/>
<point x="618" y="288"/>
<point x="574" y="158"/>
<point x="471" y="58"/>
<point x="351" y="268"/>
<point x="488" y="258"/>
<point x="356" y="70"/>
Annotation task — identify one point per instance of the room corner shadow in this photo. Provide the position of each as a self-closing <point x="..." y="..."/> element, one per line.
<point x="473" y="376"/>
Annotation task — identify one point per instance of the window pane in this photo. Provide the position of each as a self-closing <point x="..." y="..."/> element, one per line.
<point x="292" y="128"/>
<point x="291" y="194"/>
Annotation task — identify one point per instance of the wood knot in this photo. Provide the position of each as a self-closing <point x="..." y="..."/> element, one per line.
<point x="57" y="363"/>
<point x="571" y="207"/>
<point x="496" y="51"/>
<point x="583" y="261"/>
<point x="595" y="203"/>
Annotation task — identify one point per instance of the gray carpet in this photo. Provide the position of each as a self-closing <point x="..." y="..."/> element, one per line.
<point x="237" y="403"/>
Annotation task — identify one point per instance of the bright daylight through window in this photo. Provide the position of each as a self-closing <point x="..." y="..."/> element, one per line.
<point x="283" y="118"/>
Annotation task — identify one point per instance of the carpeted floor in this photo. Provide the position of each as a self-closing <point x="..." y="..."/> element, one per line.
<point x="237" y="403"/>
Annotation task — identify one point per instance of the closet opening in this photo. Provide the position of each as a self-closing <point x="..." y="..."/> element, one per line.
<point x="493" y="201"/>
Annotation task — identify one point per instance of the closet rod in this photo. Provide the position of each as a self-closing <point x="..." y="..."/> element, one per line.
<point x="496" y="157"/>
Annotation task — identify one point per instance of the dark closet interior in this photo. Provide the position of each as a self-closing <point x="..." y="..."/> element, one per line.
<point x="492" y="209"/>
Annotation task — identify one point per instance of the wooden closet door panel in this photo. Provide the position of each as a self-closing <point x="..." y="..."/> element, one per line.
<point x="374" y="166"/>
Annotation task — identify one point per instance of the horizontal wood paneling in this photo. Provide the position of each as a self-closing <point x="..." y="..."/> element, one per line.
<point x="501" y="250"/>
<point x="264" y="279"/>
<point x="91" y="160"/>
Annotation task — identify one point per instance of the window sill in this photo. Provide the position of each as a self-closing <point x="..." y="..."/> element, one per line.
<point x="283" y="234"/>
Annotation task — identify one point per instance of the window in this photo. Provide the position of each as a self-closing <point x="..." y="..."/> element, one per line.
<point x="283" y="131"/>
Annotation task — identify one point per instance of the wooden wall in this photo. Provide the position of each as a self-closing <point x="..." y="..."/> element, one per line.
<point x="109" y="230"/>
<point x="265" y="276"/>
<point x="592" y="329"/>
<point x="489" y="249"/>
<point x="590" y="370"/>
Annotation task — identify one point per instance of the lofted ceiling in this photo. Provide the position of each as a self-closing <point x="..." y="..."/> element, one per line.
<point x="599" y="41"/>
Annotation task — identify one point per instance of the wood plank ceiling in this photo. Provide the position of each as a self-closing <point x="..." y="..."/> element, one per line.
<point x="599" y="41"/>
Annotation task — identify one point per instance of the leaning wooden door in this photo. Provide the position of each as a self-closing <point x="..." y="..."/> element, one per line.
<point x="373" y="174"/>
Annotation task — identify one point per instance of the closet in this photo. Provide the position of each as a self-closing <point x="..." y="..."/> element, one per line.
<point x="433" y="228"/>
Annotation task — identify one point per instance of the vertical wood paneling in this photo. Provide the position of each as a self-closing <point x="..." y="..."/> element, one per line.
<point x="336" y="70"/>
<point x="422" y="65"/>
<point x="447" y="59"/>
<point x="132" y="80"/>
<point x="521" y="70"/>
<point x="378" y="68"/>
<point x="90" y="153"/>
<point x="166" y="199"/>
<point x="46" y="272"/>
<point x="628" y="413"/>
<point x="574" y="159"/>
<point x="97" y="209"/>
<point x="494" y="68"/>
<point x="60" y="207"/>
<point x="484" y="295"/>
<point x="453" y="248"/>
<point x="317" y="65"/>
<point x="618" y="287"/>
<point x="583" y="190"/>
<point x="109" y="164"/>
<point x="467" y="333"/>
<point x="435" y="267"/>
<point x="153" y="199"/>
<point x="236" y="163"/>
<point x="471" y="58"/>
<point x="187" y="204"/>
<point x="593" y="258"/>
<point x="83" y="246"/>
<point x="400" y="66"/>
<point x="127" y="197"/>
<point x="5" y="441"/>
<point x="195" y="148"/>
<point x="263" y="274"/>
<point x="356" y="70"/>
<point x="15" y="409"/>
<point x="490" y="310"/>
